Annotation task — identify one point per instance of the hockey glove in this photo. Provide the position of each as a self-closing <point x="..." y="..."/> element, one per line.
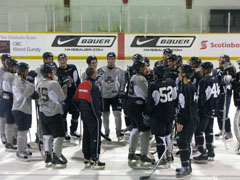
<point x="64" y="80"/>
<point x="227" y="79"/>
<point x="35" y="95"/>
<point x="31" y="76"/>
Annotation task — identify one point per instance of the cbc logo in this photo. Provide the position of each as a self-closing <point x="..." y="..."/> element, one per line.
<point x="17" y="43"/>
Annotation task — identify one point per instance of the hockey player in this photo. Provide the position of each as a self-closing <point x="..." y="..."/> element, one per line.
<point x="236" y="95"/>
<point x="47" y="58"/>
<point x="161" y="94"/>
<point x="51" y="96"/>
<point x="137" y="97"/>
<point x="172" y="64"/>
<point x="128" y="75"/>
<point x="23" y="89"/>
<point x="166" y="52"/>
<point x="179" y="61"/>
<point x="224" y="61"/>
<point x="4" y="58"/>
<point x="7" y="101"/>
<point x="92" y="62"/>
<point x="112" y="84"/>
<point x="195" y="63"/>
<point x="88" y="97"/>
<point x="187" y="119"/>
<point x="69" y="72"/>
<point x="208" y="106"/>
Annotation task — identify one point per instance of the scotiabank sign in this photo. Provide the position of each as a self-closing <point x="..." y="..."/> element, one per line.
<point x="219" y="45"/>
<point x="215" y="45"/>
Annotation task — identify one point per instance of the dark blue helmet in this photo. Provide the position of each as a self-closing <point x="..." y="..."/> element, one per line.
<point x="46" y="55"/>
<point x="167" y="50"/>
<point x="5" y="56"/>
<point x="188" y="70"/>
<point x="196" y="61"/>
<point x="138" y="65"/>
<point x="207" y="65"/>
<point x="46" y="69"/>
<point x="111" y="55"/>
<point x="137" y="57"/>
<point x="225" y="57"/>
<point x="11" y="63"/>
<point x="62" y="56"/>
<point x="22" y="67"/>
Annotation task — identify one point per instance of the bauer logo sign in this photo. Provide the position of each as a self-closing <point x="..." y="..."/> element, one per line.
<point x="83" y="41"/>
<point x="4" y="46"/>
<point x="163" y="41"/>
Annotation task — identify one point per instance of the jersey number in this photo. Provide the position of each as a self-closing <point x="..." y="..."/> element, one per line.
<point x="215" y="90"/>
<point x="43" y="94"/>
<point x="166" y="94"/>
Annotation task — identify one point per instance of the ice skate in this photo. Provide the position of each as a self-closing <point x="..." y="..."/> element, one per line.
<point x="183" y="172"/>
<point x="170" y="157"/>
<point x="211" y="155"/>
<point x="48" y="159"/>
<point x="67" y="137"/>
<point x="219" y="134"/>
<point x="87" y="163"/>
<point x="22" y="156"/>
<point x="10" y="148"/>
<point x="228" y="135"/>
<point x="120" y="137"/>
<point x="145" y="160"/>
<point x="58" y="162"/>
<point x="27" y="152"/>
<point x="3" y="139"/>
<point x="201" y="159"/>
<point x="97" y="164"/>
<point x="75" y="134"/>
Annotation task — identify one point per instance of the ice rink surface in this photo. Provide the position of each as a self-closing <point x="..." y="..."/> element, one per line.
<point x="225" y="167"/>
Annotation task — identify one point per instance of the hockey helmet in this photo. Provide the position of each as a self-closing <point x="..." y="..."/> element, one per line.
<point x="5" y="56"/>
<point x="111" y="55"/>
<point x="179" y="61"/>
<point x="172" y="57"/>
<point x="11" y="63"/>
<point x="146" y="60"/>
<point x="195" y="61"/>
<point x="207" y="65"/>
<point x="138" y="65"/>
<point x="159" y="70"/>
<point x="46" y="69"/>
<point x="225" y="57"/>
<point x="188" y="70"/>
<point x="167" y="50"/>
<point x="22" y="67"/>
<point x="62" y="56"/>
<point x="137" y="57"/>
<point x="46" y="55"/>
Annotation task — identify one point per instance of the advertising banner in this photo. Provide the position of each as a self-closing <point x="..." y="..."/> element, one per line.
<point x="207" y="46"/>
<point x="75" y="45"/>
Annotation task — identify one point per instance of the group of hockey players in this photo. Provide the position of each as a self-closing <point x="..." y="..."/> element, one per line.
<point x="170" y="103"/>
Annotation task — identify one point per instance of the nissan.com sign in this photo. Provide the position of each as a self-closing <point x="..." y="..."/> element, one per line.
<point x="83" y="45"/>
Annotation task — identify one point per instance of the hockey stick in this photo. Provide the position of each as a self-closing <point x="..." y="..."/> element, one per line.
<point x="38" y="133"/>
<point x="156" y="166"/>
<point x="237" y="124"/>
<point x="224" y="115"/>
